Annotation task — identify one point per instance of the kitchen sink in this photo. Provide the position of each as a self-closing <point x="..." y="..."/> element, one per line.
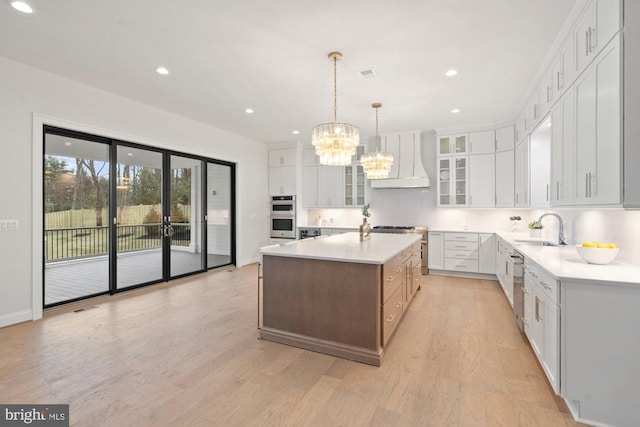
<point x="535" y="242"/>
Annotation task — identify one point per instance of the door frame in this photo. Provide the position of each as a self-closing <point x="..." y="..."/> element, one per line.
<point x="39" y="121"/>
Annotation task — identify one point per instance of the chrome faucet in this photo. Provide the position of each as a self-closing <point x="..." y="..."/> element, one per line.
<point x="561" y="240"/>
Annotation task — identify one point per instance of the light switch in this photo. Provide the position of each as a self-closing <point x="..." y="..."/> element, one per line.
<point x="9" y="224"/>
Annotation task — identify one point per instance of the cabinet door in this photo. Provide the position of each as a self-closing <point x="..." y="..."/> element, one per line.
<point x="353" y="186"/>
<point x="282" y="157"/>
<point x="282" y="180"/>
<point x="563" y="70"/>
<point x="522" y="174"/>
<point x="481" y="180"/>
<point x="460" y="189"/>
<point x="505" y="179"/>
<point x="330" y="186"/>
<point x="540" y="166"/>
<point x="310" y="187"/>
<point x="596" y="27"/>
<point x="537" y="326"/>
<point x="445" y="176"/>
<point x="505" y="138"/>
<point x="435" y="251"/>
<point x="598" y="122"/>
<point x="563" y="151"/>
<point x="482" y="142"/>
<point x="528" y="318"/>
<point x="487" y="254"/>
<point x="550" y="360"/>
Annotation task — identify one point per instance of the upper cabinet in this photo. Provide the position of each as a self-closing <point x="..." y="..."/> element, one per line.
<point x="282" y="157"/>
<point x="563" y="69"/>
<point x="563" y="150"/>
<point x="597" y="25"/>
<point x="453" y="183"/>
<point x="453" y="144"/>
<point x="505" y="138"/>
<point x="282" y="172"/>
<point x="598" y="130"/>
<point x="482" y="142"/>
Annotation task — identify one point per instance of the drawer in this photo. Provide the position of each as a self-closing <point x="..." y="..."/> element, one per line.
<point x="467" y="246"/>
<point x="391" y="314"/>
<point x="547" y="284"/>
<point x="393" y="274"/>
<point x="458" y="254"/>
<point x="469" y="265"/>
<point x="415" y="260"/>
<point x="461" y="237"/>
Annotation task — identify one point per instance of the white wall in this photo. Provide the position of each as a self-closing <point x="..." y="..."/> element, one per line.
<point x="24" y="91"/>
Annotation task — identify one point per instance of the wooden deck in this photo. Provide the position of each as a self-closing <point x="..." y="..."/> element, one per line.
<point x="73" y="279"/>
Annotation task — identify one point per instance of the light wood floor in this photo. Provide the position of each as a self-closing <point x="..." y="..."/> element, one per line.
<point x="187" y="355"/>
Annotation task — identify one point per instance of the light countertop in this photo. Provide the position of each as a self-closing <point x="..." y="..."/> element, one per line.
<point x="564" y="263"/>
<point x="346" y="247"/>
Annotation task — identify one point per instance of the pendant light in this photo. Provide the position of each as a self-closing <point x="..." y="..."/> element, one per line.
<point x="335" y="142"/>
<point x="377" y="164"/>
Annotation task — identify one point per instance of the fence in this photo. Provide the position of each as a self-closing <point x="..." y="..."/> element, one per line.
<point x="129" y="215"/>
<point x="78" y="242"/>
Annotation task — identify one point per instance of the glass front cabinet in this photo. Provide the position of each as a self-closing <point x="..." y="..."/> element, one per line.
<point x="453" y="183"/>
<point x="353" y="186"/>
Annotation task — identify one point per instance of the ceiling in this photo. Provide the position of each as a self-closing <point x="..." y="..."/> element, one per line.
<point x="227" y="55"/>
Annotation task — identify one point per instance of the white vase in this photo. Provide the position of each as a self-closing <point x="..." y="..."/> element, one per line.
<point x="535" y="232"/>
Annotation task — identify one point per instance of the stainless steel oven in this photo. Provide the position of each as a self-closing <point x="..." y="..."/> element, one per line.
<point x="283" y="217"/>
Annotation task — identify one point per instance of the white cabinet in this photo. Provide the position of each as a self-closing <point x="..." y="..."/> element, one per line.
<point x="309" y="157"/>
<point x="540" y="165"/>
<point x="598" y="123"/>
<point x="461" y="252"/>
<point x="282" y="181"/>
<point x="310" y="187"/>
<point x="482" y="180"/>
<point x="435" y="250"/>
<point x="597" y="25"/>
<point x="505" y="138"/>
<point x="563" y="70"/>
<point x="522" y="174"/>
<point x="453" y="185"/>
<point x="282" y="157"/>
<point x="453" y="144"/>
<point x="330" y="186"/>
<point x="353" y="186"/>
<point x="563" y="150"/>
<point x="505" y="179"/>
<point x="487" y="253"/>
<point x="543" y="320"/>
<point x="282" y="172"/>
<point x="482" y="142"/>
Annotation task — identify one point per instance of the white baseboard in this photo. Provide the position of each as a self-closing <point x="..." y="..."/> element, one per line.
<point x="17" y="317"/>
<point x="247" y="262"/>
<point x="463" y="274"/>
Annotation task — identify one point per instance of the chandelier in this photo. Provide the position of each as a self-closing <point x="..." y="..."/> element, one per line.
<point x="377" y="164"/>
<point x="335" y="142"/>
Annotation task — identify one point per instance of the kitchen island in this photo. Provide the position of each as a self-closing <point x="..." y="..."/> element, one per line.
<point x="337" y="295"/>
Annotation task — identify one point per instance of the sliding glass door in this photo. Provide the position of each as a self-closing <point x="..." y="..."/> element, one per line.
<point x="76" y="212"/>
<point x="186" y="221"/>
<point x="120" y="215"/>
<point x="139" y="216"/>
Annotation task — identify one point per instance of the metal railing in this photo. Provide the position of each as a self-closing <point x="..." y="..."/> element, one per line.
<point x="79" y="242"/>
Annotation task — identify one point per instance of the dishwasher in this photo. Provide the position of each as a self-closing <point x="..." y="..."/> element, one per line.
<point x="516" y="261"/>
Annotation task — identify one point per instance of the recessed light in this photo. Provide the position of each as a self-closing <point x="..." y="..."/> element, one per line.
<point x="249" y="111"/>
<point x="296" y="132"/>
<point x="67" y="144"/>
<point x="455" y="110"/>
<point x="451" y="73"/>
<point x="162" y="70"/>
<point x="22" y="6"/>
<point x="129" y="154"/>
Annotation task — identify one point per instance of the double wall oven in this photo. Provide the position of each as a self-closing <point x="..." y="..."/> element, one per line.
<point x="283" y="217"/>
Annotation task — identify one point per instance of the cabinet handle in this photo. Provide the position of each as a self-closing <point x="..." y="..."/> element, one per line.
<point x="506" y="268"/>
<point x="547" y="192"/>
<point x="398" y="270"/>
<point x="548" y="94"/>
<point x="545" y="285"/>
<point x="390" y="278"/>
<point x="591" y="192"/>
<point x="399" y="305"/>
<point x="525" y="321"/>
<point x="586" y="185"/>
<point x="461" y="247"/>
<point x="591" y="31"/>
<point x="558" y="81"/>
<point x="534" y="274"/>
<point x="525" y="197"/>
<point x="525" y="290"/>
<point x="586" y="42"/>
<point x="557" y="190"/>
<point x="538" y="302"/>
<point x="390" y="318"/>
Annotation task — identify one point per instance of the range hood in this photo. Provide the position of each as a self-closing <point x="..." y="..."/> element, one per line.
<point x="407" y="170"/>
